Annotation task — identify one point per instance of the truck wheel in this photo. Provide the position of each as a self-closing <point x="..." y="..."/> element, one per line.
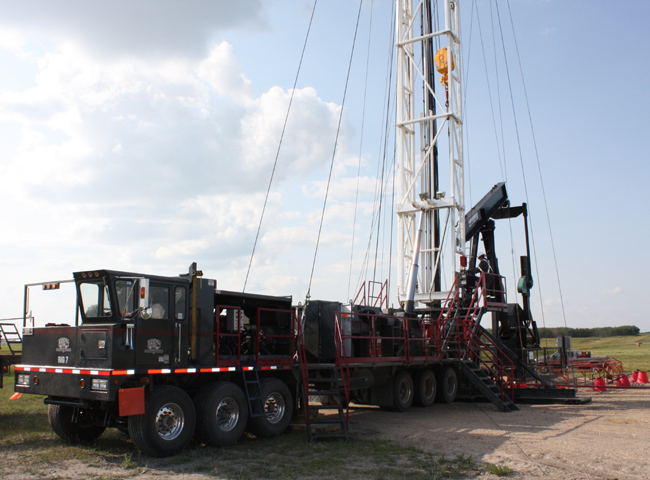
<point x="84" y="430"/>
<point x="167" y="425"/>
<point x="402" y="392"/>
<point x="278" y="409"/>
<point x="448" y="385"/>
<point x="425" y="388"/>
<point x="222" y="412"/>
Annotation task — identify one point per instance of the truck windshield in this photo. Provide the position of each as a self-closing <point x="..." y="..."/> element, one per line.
<point x="125" y="296"/>
<point x="95" y="300"/>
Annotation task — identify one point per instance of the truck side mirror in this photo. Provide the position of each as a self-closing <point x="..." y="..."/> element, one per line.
<point x="144" y="302"/>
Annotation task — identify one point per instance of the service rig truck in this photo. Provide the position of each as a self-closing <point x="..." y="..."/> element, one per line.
<point x="168" y="359"/>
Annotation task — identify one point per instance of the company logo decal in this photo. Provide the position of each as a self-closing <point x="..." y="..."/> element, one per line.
<point x="154" y="346"/>
<point x="64" y="345"/>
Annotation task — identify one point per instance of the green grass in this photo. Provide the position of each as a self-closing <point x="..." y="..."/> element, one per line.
<point x="499" y="470"/>
<point x="621" y="348"/>
<point x="26" y="433"/>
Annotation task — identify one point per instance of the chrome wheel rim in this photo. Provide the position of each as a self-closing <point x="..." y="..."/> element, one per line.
<point x="274" y="407"/>
<point x="227" y="414"/>
<point x="405" y="392"/>
<point x="429" y="388"/>
<point x="170" y="421"/>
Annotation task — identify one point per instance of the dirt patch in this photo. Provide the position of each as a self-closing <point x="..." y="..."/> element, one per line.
<point x="607" y="438"/>
<point x="604" y="439"/>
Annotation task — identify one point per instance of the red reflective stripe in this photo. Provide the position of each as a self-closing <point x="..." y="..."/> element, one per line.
<point x="156" y="371"/>
<point x="70" y="371"/>
<point x="185" y="370"/>
<point x="15" y="396"/>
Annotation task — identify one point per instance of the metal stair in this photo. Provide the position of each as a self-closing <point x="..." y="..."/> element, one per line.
<point x="326" y="381"/>
<point x="484" y="364"/>
<point x="483" y="381"/>
<point x="326" y="384"/>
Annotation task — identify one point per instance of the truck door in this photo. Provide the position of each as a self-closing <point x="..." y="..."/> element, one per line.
<point x="154" y="336"/>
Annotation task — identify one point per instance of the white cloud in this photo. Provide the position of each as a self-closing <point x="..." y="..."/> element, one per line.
<point x="159" y="28"/>
<point x="143" y="161"/>
<point x="222" y="72"/>
<point x="612" y="291"/>
<point x="308" y="140"/>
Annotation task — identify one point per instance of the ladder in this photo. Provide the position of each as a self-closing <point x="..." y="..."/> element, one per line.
<point x="324" y="387"/>
<point x="9" y="336"/>
<point x="326" y="392"/>
<point x="253" y="392"/>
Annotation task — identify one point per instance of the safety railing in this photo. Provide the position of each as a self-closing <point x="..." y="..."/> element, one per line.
<point x="494" y="290"/>
<point x="374" y="338"/>
<point x="228" y="344"/>
<point x="271" y="341"/>
<point x="343" y="365"/>
<point x="367" y="296"/>
<point x="273" y="346"/>
<point x="304" y="371"/>
<point x="488" y="357"/>
<point x="459" y="331"/>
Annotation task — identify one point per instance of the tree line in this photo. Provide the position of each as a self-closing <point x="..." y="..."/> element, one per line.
<point x="624" y="330"/>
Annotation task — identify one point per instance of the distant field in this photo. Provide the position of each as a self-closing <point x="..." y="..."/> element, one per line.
<point x="624" y="349"/>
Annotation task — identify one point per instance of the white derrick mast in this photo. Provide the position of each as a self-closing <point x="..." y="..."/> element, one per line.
<point x="430" y="150"/>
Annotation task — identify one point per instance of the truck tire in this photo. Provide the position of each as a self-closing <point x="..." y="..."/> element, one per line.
<point x="402" y="392"/>
<point x="222" y="413"/>
<point x="278" y="409"/>
<point x="84" y="430"/>
<point x="167" y="425"/>
<point x="448" y="387"/>
<point x="425" y="388"/>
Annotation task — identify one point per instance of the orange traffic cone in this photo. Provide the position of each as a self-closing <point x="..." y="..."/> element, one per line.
<point x="643" y="377"/>
<point x="622" y="381"/>
<point x="635" y="376"/>
<point x="599" y="385"/>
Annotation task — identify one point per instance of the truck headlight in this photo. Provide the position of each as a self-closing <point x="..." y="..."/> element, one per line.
<point x="99" y="384"/>
<point x="22" y="380"/>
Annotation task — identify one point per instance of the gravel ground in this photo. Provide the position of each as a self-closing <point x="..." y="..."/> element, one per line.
<point x="607" y="438"/>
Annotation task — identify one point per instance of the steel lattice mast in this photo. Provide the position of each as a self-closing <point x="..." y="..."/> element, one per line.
<point x="423" y="137"/>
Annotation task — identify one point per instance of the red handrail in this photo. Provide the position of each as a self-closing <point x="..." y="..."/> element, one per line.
<point x="342" y="364"/>
<point x="302" y="364"/>
<point x="220" y="335"/>
<point x="288" y="358"/>
<point x="381" y="297"/>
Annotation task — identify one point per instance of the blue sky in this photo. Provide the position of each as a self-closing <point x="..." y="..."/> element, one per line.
<point x="140" y="136"/>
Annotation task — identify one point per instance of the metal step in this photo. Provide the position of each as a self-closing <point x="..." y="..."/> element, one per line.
<point x="487" y="387"/>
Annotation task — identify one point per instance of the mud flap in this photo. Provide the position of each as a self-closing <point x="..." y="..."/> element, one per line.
<point x="131" y="401"/>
